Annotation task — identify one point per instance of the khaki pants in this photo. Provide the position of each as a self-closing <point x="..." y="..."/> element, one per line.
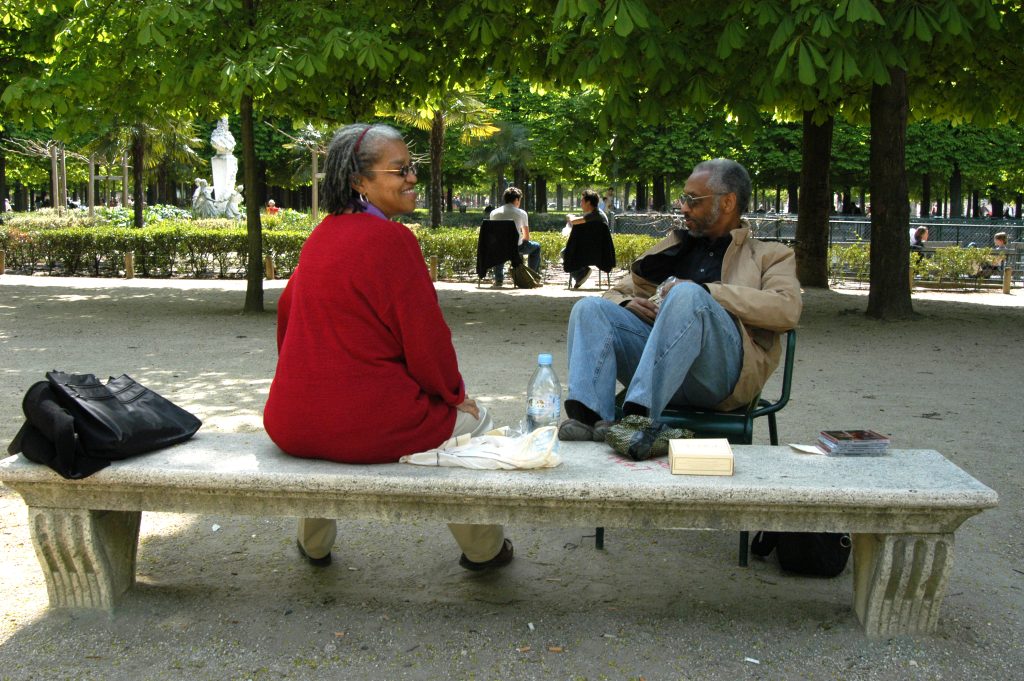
<point x="480" y="543"/>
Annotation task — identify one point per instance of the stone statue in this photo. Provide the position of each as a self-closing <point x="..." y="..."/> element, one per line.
<point x="224" y="164"/>
<point x="233" y="210"/>
<point x="222" y="139"/>
<point x="203" y="205"/>
<point x="224" y="198"/>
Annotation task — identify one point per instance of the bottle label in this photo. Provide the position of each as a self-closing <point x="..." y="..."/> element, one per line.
<point x="543" y="410"/>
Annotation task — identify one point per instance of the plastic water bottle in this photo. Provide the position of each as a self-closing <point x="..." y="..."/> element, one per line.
<point x="543" y="396"/>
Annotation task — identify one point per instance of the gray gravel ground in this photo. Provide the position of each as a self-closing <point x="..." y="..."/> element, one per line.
<point x="225" y="597"/>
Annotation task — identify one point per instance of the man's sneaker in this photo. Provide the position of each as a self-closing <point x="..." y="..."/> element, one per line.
<point x="601" y="429"/>
<point x="571" y="430"/>
<point x="498" y="284"/>
<point x="579" y="282"/>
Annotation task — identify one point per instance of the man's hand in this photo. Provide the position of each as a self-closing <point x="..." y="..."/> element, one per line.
<point x="469" y="406"/>
<point x="643" y="308"/>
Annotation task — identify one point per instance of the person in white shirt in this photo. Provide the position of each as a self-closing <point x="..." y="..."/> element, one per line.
<point x="511" y="211"/>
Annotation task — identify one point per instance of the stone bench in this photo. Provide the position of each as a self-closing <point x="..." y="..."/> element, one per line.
<point x="902" y="509"/>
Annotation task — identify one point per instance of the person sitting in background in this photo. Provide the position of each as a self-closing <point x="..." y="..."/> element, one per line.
<point x="272" y="208"/>
<point x="589" y="240"/>
<point x="513" y="197"/>
<point x="998" y="260"/>
<point x="366" y="370"/>
<point x="917" y="242"/>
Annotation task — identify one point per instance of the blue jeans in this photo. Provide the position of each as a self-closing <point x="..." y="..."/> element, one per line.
<point x="531" y="249"/>
<point x="691" y="356"/>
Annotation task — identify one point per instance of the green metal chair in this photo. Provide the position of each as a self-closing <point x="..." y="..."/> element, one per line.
<point x="736" y="426"/>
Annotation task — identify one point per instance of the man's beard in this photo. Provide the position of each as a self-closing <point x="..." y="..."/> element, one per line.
<point x="699" y="228"/>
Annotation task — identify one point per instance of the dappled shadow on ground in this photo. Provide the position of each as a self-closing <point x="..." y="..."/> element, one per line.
<point x="229" y="597"/>
<point x="239" y="603"/>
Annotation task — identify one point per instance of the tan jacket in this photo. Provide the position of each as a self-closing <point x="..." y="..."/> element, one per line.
<point x="759" y="289"/>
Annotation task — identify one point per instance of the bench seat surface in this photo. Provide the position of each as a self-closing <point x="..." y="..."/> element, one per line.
<point x="773" y="488"/>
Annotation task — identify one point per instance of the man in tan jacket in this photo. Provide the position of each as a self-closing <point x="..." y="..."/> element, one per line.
<point x="708" y="338"/>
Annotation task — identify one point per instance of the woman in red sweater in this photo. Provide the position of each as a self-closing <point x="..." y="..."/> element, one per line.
<point x="366" y="370"/>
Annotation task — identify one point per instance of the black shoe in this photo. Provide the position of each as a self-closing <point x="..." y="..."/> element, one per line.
<point x="579" y="282"/>
<point x="601" y="429"/>
<point x="316" y="562"/>
<point x="503" y="558"/>
<point x="571" y="430"/>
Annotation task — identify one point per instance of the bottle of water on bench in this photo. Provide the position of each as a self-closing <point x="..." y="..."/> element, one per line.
<point x="543" y="396"/>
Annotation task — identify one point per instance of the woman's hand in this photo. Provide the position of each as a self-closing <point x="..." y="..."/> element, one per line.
<point x="469" y="406"/>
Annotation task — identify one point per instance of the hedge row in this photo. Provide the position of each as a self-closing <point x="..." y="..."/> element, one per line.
<point x="952" y="263"/>
<point x="539" y="222"/>
<point x="218" y="248"/>
<point x="74" y="244"/>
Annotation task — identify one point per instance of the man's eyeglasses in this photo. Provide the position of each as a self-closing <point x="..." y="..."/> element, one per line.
<point x="404" y="171"/>
<point x="692" y="201"/>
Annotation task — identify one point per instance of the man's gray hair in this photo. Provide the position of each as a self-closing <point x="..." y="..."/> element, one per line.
<point x="727" y="176"/>
<point x="353" y="148"/>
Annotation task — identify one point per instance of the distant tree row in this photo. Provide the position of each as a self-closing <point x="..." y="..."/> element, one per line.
<point x="628" y="92"/>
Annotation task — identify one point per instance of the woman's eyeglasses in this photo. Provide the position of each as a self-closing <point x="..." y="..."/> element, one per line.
<point x="404" y="171"/>
<point x="692" y="201"/>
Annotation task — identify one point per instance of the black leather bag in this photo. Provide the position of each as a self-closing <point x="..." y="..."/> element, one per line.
<point x="76" y="425"/>
<point x="819" y="554"/>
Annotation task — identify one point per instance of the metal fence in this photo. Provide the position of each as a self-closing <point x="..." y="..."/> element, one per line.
<point x="842" y="228"/>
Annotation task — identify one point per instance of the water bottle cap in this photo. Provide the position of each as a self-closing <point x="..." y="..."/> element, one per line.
<point x="544" y="359"/>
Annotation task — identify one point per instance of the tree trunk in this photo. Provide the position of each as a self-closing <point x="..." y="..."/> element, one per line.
<point x="794" y="194"/>
<point x="259" y="197"/>
<point x="560" y="196"/>
<point x="138" y="156"/>
<point x="659" y="193"/>
<point x="956" y="199"/>
<point x="1019" y="206"/>
<point x="926" y="195"/>
<point x="519" y="180"/>
<point x="3" y="172"/>
<point x="997" y="206"/>
<point x="448" y="199"/>
<point x="642" y="202"/>
<point x="21" y="197"/>
<point x="436" y="167"/>
<point x="625" y="195"/>
<point x="812" y="222"/>
<point x="847" y="201"/>
<point x="542" y="194"/>
<point x="254" y="275"/>
<point x="889" y="296"/>
<point x="976" y="204"/>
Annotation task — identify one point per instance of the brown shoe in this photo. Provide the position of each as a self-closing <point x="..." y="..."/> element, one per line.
<point x="503" y="558"/>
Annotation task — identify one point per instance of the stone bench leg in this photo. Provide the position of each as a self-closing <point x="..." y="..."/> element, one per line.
<point x="899" y="581"/>
<point x="87" y="557"/>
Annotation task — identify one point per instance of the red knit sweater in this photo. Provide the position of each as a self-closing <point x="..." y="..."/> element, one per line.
<point x="366" y="371"/>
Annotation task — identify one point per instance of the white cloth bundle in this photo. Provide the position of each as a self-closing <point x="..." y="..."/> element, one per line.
<point x="495" y="450"/>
